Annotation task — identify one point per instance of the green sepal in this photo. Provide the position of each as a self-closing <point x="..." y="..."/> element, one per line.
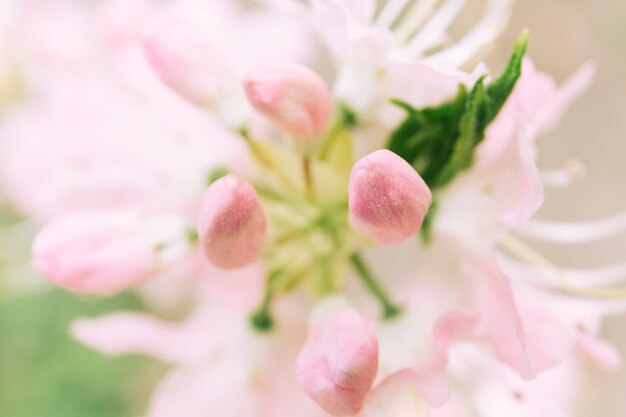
<point x="426" y="230"/>
<point x="216" y="174"/>
<point x="439" y="141"/>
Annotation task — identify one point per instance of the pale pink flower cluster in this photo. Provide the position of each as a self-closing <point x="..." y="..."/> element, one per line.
<point x="160" y="144"/>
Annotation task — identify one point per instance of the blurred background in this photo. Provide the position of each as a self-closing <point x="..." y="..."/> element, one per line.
<point x="43" y="373"/>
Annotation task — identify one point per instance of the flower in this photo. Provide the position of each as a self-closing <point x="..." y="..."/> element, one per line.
<point x="232" y="223"/>
<point x="185" y="61"/>
<point x="105" y="253"/>
<point x="388" y="199"/>
<point x="292" y="96"/>
<point x="391" y="142"/>
<point x="230" y="368"/>
<point x="338" y="362"/>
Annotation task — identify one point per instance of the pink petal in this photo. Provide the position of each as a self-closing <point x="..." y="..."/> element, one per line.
<point x="222" y="389"/>
<point x="292" y="96"/>
<point x="388" y="199"/>
<point x="232" y="223"/>
<point x="124" y="333"/>
<point x="492" y="297"/>
<point x="339" y="361"/>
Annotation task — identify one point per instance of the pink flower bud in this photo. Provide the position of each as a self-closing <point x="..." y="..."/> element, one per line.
<point x="338" y="363"/>
<point x="292" y="96"/>
<point x="232" y="223"/>
<point x="185" y="60"/>
<point x="105" y="253"/>
<point x="388" y="198"/>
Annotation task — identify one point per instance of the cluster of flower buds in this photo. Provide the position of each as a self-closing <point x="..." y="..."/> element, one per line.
<point x="388" y="200"/>
<point x="313" y="199"/>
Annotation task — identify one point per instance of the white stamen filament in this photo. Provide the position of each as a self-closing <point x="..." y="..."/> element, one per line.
<point x="434" y="32"/>
<point x="531" y="257"/>
<point x="573" y="170"/>
<point x="576" y="278"/>
<point x="570" y="232"/>
<point x="608" y="307"/>
<point x="486" y="31"/>
<point x="568" y="282"/>
<point x="598" y="276"/>
<point x="414" y="19"/>
<point x="390" y="12"/>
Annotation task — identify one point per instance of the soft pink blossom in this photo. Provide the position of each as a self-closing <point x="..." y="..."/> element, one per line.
<point x="388" y="199"/>
<point x="96" y="145"/>
<point x="121" y="20"/>
<point x="292" y="96"/>
<point x="105" y="132"/>
<point x="503" y="189"/>
<point x="221" y="364"/>
<point x="186" y="60"/>
<point x="108" y="252"/>
<point x="339" y="361"/>
<point x="232" y="223"/>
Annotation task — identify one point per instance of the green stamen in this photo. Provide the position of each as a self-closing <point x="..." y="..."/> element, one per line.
<point x="261" y="319"/>
<point x="389" y="309"/>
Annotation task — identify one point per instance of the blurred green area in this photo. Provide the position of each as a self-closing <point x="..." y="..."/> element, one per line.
<point x="45" y="373"/>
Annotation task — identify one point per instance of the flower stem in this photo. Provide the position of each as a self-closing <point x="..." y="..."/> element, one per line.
<point x="389" y="308"/>
<point x="326" y="278"/>
<point x="266" y="160"/>
<point x="261" y="319"/>
<point x="308" y="177"/>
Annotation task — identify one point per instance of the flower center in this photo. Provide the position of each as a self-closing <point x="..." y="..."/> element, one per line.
<point x="305" y="195"/>
<point x="304" y="186"/>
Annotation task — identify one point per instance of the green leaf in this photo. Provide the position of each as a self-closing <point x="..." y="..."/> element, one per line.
<point x="471" y="132"/>
<point x="500" y="89"/>
<point x="439" y="141"/>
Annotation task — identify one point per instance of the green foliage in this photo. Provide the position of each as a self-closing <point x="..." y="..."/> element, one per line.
<point x="439" y="142"/>
<point x="45" y="373"/>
